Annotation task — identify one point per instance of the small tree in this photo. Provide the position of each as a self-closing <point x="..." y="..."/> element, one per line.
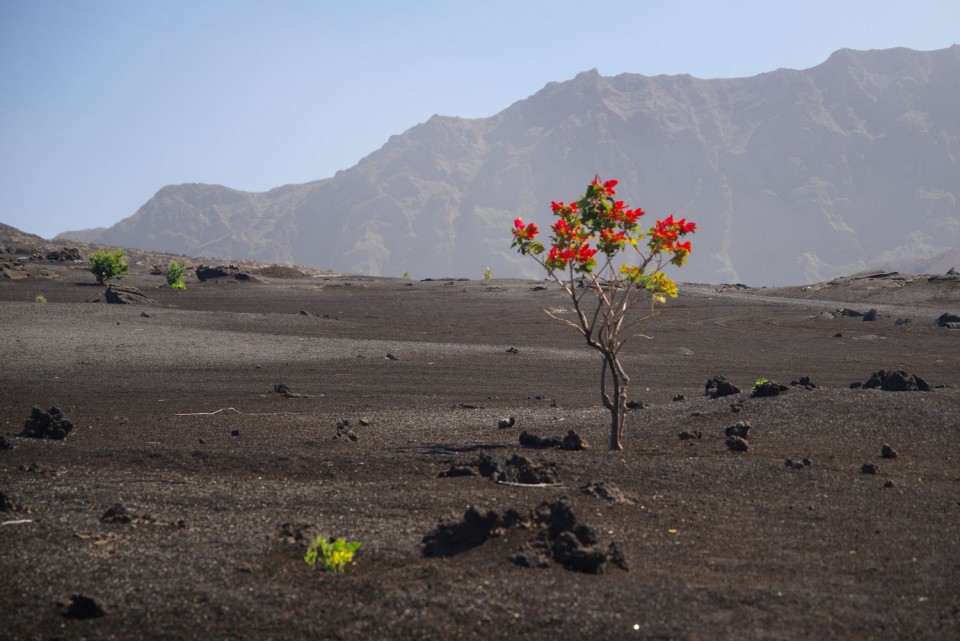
<point x="107" y="264"/>
<point x="175" y="271"/>
<point x="629" y="268"/>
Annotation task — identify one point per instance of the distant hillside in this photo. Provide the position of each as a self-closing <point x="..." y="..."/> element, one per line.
<point x="793" y="176"/>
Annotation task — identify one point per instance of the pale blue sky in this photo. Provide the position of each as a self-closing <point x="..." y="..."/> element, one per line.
<point x="103" y="102"/>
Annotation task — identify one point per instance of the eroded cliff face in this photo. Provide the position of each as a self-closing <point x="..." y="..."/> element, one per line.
<point x="793" y="177"/>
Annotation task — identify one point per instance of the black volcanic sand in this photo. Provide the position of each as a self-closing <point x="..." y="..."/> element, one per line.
<point x="180" y="503"/>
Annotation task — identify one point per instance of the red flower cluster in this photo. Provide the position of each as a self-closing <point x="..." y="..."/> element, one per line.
<point x="665" y="233"/>
<point x="528" y="232"/>
<point x="560" y="258"/>
<point x="607" y="224"/>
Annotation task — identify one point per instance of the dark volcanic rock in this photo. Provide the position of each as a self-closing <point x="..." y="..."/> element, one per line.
<point x="117" y="514"/>
<point x="65" y="255"/>
<point x="888" y="452"/>
<point x="767" y="389"/>
<point x="718" y="386"/>
<point x="895" y="381"/>
<point x="453" y="537"/>
<point x="737" y="444"/>
<point x="126" y="295"/>
<point x="216" y="272"/>
<point x="741" y="429"/>
<point x="83" y="607"/>
<point x="50" y="424"/>
<point x="520" y="469"/>
<point x="946" y="319"/>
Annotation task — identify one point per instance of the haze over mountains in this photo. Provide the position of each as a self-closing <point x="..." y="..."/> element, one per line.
<point x="792" y="176"/>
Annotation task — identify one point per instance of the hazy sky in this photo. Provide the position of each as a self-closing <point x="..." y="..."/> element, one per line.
<point x="103" y="102"/>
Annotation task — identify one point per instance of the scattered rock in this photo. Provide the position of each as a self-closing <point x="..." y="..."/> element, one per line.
<point x="559" y="538"/>
<point x="504" y="423"/>
<point x="571" y="441"/>
<point x="365" y="421"/>
<point x="118" y="514"/>
<point x="520" y="469"/>
<point x="804" y="382"/>
<point x="635" y="405"/>
<point x="737" y="444"/>
<point x="850" y="313"/>
<point x="718" y="386"/>
<point x="945" y="319"/>
<point x="517" y="469"/>
<point x="214" y="272"/>
<point x="767" y="389"/>
<point x="234" y="432"/>
<point x="740" y="429"/>
<point x="689" y="436"/>
<point x="450" y="538"/>
<point x="456" y="471"/>
<point x="50" y="424"/>
<point x="126" y="295"/>
<point x="871" y="315"/>
<point x="345" y="431"/>
<point x="83" y="607"/>
<point x="513" y="350"/>
<point x="888" y="452"/>
<point x="869" y="468"/>
<point x="392" y="357"/>
<point x="304" y="312"/>
<point x="5" y="444"/>
<point x="678" y="398"/>
<point x="608" y="492"/>
<point x="798" y="465"/>
<point x="902" y="321"/>
<point x="65" y="255"/>
<point x="7" y="504"/>
<point x="284" y="389"/>
<point x="893" y="381"/>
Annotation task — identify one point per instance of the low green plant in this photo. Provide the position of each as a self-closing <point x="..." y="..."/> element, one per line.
<point x="406" y="274"/>
<point x="108" y="263"/>
<point x="175" y="272"/>
<point x="335" y="554"/>
<point x="40" y="298"/>
<point x="760" y="382"/>
<point x="488" y="274"/>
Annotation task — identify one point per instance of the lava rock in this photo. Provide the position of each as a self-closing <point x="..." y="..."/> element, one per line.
<point x="896" y="381"/>
<point x="50" y="424"/>
<point x="740" y="429"/>
<point x="869" y="468"/>
<point x="767" y="389"/>
<point x="83" y="607"/>
<point x="737" y="444"/>
<point x="126" y="295"/>
<point x="888" y="452"/>
<point x="718" y="386"/>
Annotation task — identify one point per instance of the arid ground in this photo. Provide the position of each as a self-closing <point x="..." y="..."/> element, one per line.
<point x="181" y="503"/>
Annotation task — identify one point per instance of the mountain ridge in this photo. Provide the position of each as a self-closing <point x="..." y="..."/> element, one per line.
<point x="793" y="175"/>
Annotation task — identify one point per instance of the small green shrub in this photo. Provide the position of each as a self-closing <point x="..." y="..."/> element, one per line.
<point x="175" y="272"/>
<point x="335" y="554"/>
<point x="107" y="264"/>
<point x="40" y="298"/>
<point x="488" y="273"/>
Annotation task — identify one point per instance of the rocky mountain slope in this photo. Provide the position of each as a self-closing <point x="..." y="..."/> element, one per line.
<point x="793" y="177"/>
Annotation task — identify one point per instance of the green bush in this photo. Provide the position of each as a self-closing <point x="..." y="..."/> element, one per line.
<point x="40" y="298"/>
<point x="107" y="264"/>
<point x="175" y="272"/>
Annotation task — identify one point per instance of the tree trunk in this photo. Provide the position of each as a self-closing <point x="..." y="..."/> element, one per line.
<point x="618" y="411"/>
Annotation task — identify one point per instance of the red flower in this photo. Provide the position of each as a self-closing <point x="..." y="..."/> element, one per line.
<point x="527" y="232"/>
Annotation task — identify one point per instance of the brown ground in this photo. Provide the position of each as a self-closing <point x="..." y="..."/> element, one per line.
<point x="176" y="419"/>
